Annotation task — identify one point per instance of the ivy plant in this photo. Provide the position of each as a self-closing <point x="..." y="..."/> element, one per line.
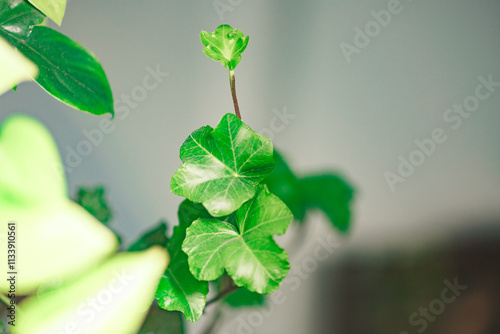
<point x="239" y="194"/>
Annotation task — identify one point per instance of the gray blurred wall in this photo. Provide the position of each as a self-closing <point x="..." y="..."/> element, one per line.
<point x="355" y="111"/>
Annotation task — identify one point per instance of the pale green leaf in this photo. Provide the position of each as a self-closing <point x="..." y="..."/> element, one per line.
<point x="33" y="195"/>
<point x="54" y="9"/>
<point x="225" y="44"/>
<point x="114" y="298"/>
<point x="246" y="251"/>
<point x="14" y="67"/>
<point x="223" y="166"/>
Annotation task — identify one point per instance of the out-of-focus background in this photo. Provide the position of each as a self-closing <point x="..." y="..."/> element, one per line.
<point x="400" y="97"/>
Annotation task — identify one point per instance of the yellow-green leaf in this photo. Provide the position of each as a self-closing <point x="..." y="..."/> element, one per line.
<point x="52" y="8"/>
<point x="115" y="298"/>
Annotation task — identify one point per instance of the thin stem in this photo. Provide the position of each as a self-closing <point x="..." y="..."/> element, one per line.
<point x="232" y="288"/>
<point x="232" y="82"/>
<point x="4" y="299"/>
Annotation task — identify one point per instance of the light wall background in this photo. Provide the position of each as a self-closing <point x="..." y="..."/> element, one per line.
<point x="355" y="117"/>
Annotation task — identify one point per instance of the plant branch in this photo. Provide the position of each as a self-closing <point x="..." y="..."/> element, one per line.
<point x="224" y="293"/>
<point x="232" y="82"/>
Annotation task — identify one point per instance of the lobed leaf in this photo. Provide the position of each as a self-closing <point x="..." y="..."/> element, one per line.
<point x="223" y="166"/>
<point x="327" y="192"/>
<point x="179" y="290"/>
<point x="246" y="251"/>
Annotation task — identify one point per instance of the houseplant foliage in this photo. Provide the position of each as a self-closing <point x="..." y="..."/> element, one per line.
<point x="239" y="193"/>
<point x="66" y="70"/>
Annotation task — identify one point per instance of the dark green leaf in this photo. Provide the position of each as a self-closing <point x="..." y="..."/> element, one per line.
<point x="327" y="192"/>
<point x="67" y="71"/>
<point x="225" y="45"/>
<point x="247" y="252"/>
<point x="178" y="289"/>
<point x="159" y="321"/>
<point x="223" y="166"/>
<point x="52" y="8"/>
<point x="156" y="236"/>
<point x="18" y="17"/>
<point x="94" y="201"/>
<point x="330" y="194"/>
<point x="243" y="298"/>
<point x="283" y="183"/>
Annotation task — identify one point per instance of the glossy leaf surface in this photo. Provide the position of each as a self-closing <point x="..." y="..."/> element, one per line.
<point x="225" y="44"/>
<point x="223" y="166"/>
<point x="283" y="183"/>
<point x="66" y="70"/>
<point x="246" y="251"/>
<point x="178" y="289"/>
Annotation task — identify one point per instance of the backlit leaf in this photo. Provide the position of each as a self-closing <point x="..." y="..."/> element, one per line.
<point x="225" y="44"/>
<point x="52" y="8"/>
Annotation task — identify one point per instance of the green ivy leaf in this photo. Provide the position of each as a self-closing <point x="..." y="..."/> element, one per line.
<point x="94" y="201"/>
<point x="244" y="298"/>
<point x="283" y="183"/>
<point x="67" y="71"/>
<point x="330" y="194"/>
<point x="156" y="236"/>
<point x="159" y="321"/>
<point x="52" y="8"/>
<point x="223" y="166"/>
<point x="178" y="289"/>
<point x="327" y="192"/>
<point x="247" y="252"/>
<point x="225" y="44"/>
